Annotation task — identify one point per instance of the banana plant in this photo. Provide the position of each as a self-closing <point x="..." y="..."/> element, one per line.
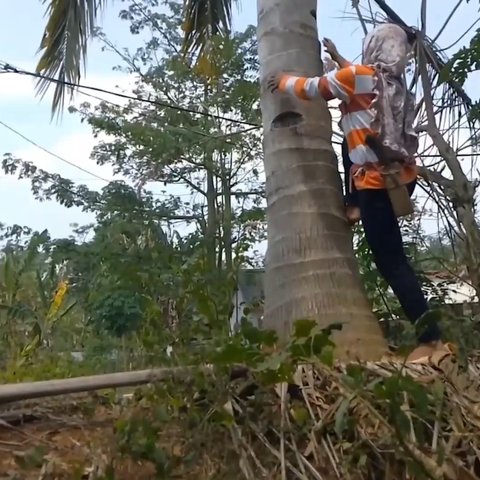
<point x="32" y="301"/>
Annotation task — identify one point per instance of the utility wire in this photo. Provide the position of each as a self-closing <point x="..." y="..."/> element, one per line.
<point x="8" y="68"/>
<point x="172" y="127"/>
<point x="16" y="132"/>
<point x="58" y="157"/>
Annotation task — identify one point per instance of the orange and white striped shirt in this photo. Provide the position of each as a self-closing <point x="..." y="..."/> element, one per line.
<point x="354" y="86"/>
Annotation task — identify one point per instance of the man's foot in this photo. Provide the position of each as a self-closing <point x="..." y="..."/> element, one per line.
<point x="425" y="351"/>
<point x="422" y="352"/>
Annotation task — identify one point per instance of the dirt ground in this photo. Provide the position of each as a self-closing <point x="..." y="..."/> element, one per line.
<point x="64" y="438"/>
<point x="74" y="437"/>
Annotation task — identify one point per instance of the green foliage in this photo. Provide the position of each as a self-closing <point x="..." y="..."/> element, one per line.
<point x="464" y="62"/>
<point x="64" y="43"/>
<point x="29" y="310"/>
<point x="205" y="410"/>
<point x="32" y="458"/>
<point x="118" y="312"/>
<point x="253" y="347"/>
<point x="138" y="436"/>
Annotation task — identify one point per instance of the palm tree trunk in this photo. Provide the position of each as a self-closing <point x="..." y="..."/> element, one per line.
<point x="311" y="270"/>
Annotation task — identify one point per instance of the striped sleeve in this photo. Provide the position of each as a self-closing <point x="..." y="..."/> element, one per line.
<point x="337" y="84"/>
<point x="342" y="83"/>
<point x="305" y="88"/>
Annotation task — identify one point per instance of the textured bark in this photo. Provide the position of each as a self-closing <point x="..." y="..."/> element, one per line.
<point x="311" y="270"/>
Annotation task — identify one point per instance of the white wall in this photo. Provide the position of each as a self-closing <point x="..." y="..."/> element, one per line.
<point x="238" y="312"/>
<point x="458" y="292"/>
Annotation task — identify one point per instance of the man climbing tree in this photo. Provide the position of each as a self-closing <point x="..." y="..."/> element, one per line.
<point x="377" y="120"/>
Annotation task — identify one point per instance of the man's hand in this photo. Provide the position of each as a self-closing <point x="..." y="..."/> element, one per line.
<point x="352" y="214"/>
<point x="330" y="48"/>
<point x="273" y="83"/>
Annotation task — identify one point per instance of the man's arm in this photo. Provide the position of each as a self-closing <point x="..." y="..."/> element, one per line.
<point x="331" y="49"/>
<point x="338" y="84"/>
<point x="342" y="62"/>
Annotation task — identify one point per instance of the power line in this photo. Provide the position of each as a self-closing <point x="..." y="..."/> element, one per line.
<point x="16" y="132"/>
<point x="58" y="157"/>
<point x="131" y="109"/>
<point x="8" y="68"/>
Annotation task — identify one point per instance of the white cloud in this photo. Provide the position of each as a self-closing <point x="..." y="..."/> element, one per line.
<point x="74" y="148"/>
<point x="15" y="88"/>
<point x="57" y="219"/>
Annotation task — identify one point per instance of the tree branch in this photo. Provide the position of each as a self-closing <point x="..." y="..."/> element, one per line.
<point x="435" y="177"/>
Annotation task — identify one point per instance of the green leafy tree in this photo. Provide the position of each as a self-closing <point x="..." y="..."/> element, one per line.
<point x="216" y="160"/>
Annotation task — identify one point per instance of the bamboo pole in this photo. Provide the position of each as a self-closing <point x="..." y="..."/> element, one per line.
<point x="50" y="388"/>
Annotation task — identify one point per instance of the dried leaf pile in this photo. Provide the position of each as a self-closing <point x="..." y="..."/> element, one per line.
<point x="381" y="420"/>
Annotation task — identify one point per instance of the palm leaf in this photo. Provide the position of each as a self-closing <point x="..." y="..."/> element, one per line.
<point x="203" y="19"/>
<point x="70" y="24"/>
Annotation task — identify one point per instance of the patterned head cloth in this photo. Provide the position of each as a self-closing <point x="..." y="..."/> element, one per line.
<point x="386" y="48"/>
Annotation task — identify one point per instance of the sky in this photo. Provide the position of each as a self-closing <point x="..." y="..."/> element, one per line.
<point x="21" y="110"/>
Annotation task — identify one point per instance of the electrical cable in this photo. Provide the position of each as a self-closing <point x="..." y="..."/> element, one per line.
<point x="58" y="157"/>
<point x="8" y="68"/>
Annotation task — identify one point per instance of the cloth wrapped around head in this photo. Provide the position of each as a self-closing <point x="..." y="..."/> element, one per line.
<point x="386" y="48"/>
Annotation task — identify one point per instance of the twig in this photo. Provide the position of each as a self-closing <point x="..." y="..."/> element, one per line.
<point x="452" y="13"/>
<point x="283" y="401"/>
<point x="461" y="37"/>
<point x="294" y="447"/>
<point x="275" y="452"/>
<point x="243" y="462"/>
<point x="331" y="458"/>
<point x="360" y="17"/>
<point x="303" y="460"/>
<point x="433" y="176"/>
<point x="464" y="191"/>
<point x="247" y="446"/>
<point x="434" y="60"/>
<point x="423" y="16"/>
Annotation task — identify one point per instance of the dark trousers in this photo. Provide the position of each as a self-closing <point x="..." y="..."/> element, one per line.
<point x="384" y="238"/>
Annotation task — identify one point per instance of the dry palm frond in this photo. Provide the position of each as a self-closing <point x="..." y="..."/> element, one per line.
<point x="70" y="25"/>
<point x="337" y="430"/>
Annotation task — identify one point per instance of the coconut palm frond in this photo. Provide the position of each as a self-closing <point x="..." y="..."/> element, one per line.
<point x="204" y="19"/>
<point x="70" y="24"/>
